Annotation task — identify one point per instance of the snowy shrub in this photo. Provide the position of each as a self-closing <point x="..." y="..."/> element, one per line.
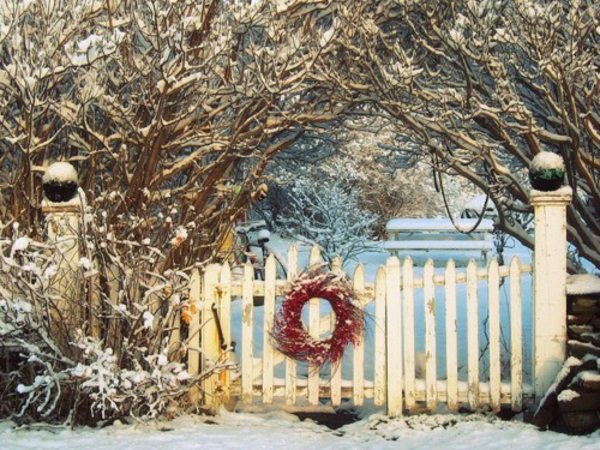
<point x="101" y="348"/>
<point x="161" y="105"/>
<point x="327" y="214"/>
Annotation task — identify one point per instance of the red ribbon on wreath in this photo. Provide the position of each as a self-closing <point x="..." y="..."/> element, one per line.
<point x="289" y="333"/>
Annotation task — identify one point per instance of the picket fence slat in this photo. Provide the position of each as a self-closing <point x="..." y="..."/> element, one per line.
<point x="336" y="371"/>
<point x="225" y="319"/>
<point x="494" y="333"/>
<point x="516" y="337"/>
<point x="451" y="336"/>
<point x="247" y="334"/>
<point x="472" y="336"/>
<point x="290" y="364"/>
<point x="358" y="374"/>
<point x="209" y="344"/>
<point x="269" y="315"/>
<point x="193" y="341"/>
<point x="380" y="340"/>
<point x="408" y="324"/>
<point x="314" y="331"/>
<point x="430" y="336"/>
<point x="394" y="338"/>
<point x="394" y="383"/>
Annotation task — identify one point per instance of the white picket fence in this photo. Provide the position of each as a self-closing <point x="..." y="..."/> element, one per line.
<point x="267" y="377"/>
<point x="394" y="384"/>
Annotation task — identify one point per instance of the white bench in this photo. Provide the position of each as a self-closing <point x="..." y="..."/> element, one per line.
<point x="438" y="235"/>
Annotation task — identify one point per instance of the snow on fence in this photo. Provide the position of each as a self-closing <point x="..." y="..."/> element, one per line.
<point x="394" y="382"/>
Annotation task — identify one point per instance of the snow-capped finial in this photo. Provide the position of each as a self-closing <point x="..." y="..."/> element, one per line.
<point x="547" y="171"/>
<point x="547" y="160"/>
<point x="60" y="182"/>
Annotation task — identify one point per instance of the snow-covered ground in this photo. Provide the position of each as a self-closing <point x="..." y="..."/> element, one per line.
<point x="281" y="430"/>
<point x="277" y="430"/>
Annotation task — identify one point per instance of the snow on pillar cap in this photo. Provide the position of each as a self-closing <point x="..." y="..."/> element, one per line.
<point x="60" y="172"/>
<point x="60" y="182"/>
<point x="546" y="161"/>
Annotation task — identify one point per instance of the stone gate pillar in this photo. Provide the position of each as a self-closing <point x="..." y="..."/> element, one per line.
<point x="63" y="207"/>
<point x="549" y="286"/>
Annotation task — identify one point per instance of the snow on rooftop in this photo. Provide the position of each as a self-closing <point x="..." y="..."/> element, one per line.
<point x="436" y="224"/>
<point x="590" y="376"/>
<point x="567" y="395"/>
<point x="583" y="284"/>
<point x="60" y="172"/>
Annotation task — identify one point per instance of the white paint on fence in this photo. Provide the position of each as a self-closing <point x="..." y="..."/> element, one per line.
<point x="472" y="336"/>
<point x="336" y="370"/>
<point x="393" y="384"/>
<point x="516" y="337"/>
<point x="290" y="364"/>
<point x="269" y="315"/>
<point x="247" y="334"/>
<point x="393" y="338"/>
<point x="430" y="343"/>
<point x="550" y="286"/>
<point x="451" y="337"/>
<point x="359" y="349"/>
<point x="494" y="333"/>
<point x="408" y="316"/>
<point x="380" y="341"/>
<point x="314" y="330"/>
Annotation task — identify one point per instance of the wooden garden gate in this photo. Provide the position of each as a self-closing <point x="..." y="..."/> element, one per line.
<point x="400" y="379"/>
<point x="394" y="381"/>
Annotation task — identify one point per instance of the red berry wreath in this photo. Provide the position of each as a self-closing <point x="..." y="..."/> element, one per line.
<point x="291" y="337"/>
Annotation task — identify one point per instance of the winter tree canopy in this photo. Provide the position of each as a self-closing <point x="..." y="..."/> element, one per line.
<point x="173" y="108"/>
<point x="482" y="87"/>
<point x="170" y="108"/>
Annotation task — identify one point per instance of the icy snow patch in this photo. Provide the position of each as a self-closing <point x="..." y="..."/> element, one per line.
<point x="564" y="372"/>
<point x="85" y="263"/>
<point x="20" y="245"/>
<point x="583" y="284"/>
<point x="589" y="376"/>
<point x="567" y="395"/>
<point x="148" y="319"/>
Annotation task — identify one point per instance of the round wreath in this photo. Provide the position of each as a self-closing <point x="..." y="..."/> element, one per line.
<point x="292" y="338"/>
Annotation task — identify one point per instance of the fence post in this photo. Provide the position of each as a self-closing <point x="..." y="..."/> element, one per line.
<point x="210" y="352"/>
<point x="549" y="289"/>
<point x="62" y="207"/>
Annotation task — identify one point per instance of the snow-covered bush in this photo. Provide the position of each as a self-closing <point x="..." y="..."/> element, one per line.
<point x="160" y="104"/>
<point x="104" y="349"/>
<point x="327" y="214"/>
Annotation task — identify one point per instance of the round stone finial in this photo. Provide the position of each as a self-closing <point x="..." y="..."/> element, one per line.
<point x="547" y="171"/>
<point x="60" y="182"/>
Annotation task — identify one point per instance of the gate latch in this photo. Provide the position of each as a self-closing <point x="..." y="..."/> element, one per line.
<point x="222" y="343"/>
